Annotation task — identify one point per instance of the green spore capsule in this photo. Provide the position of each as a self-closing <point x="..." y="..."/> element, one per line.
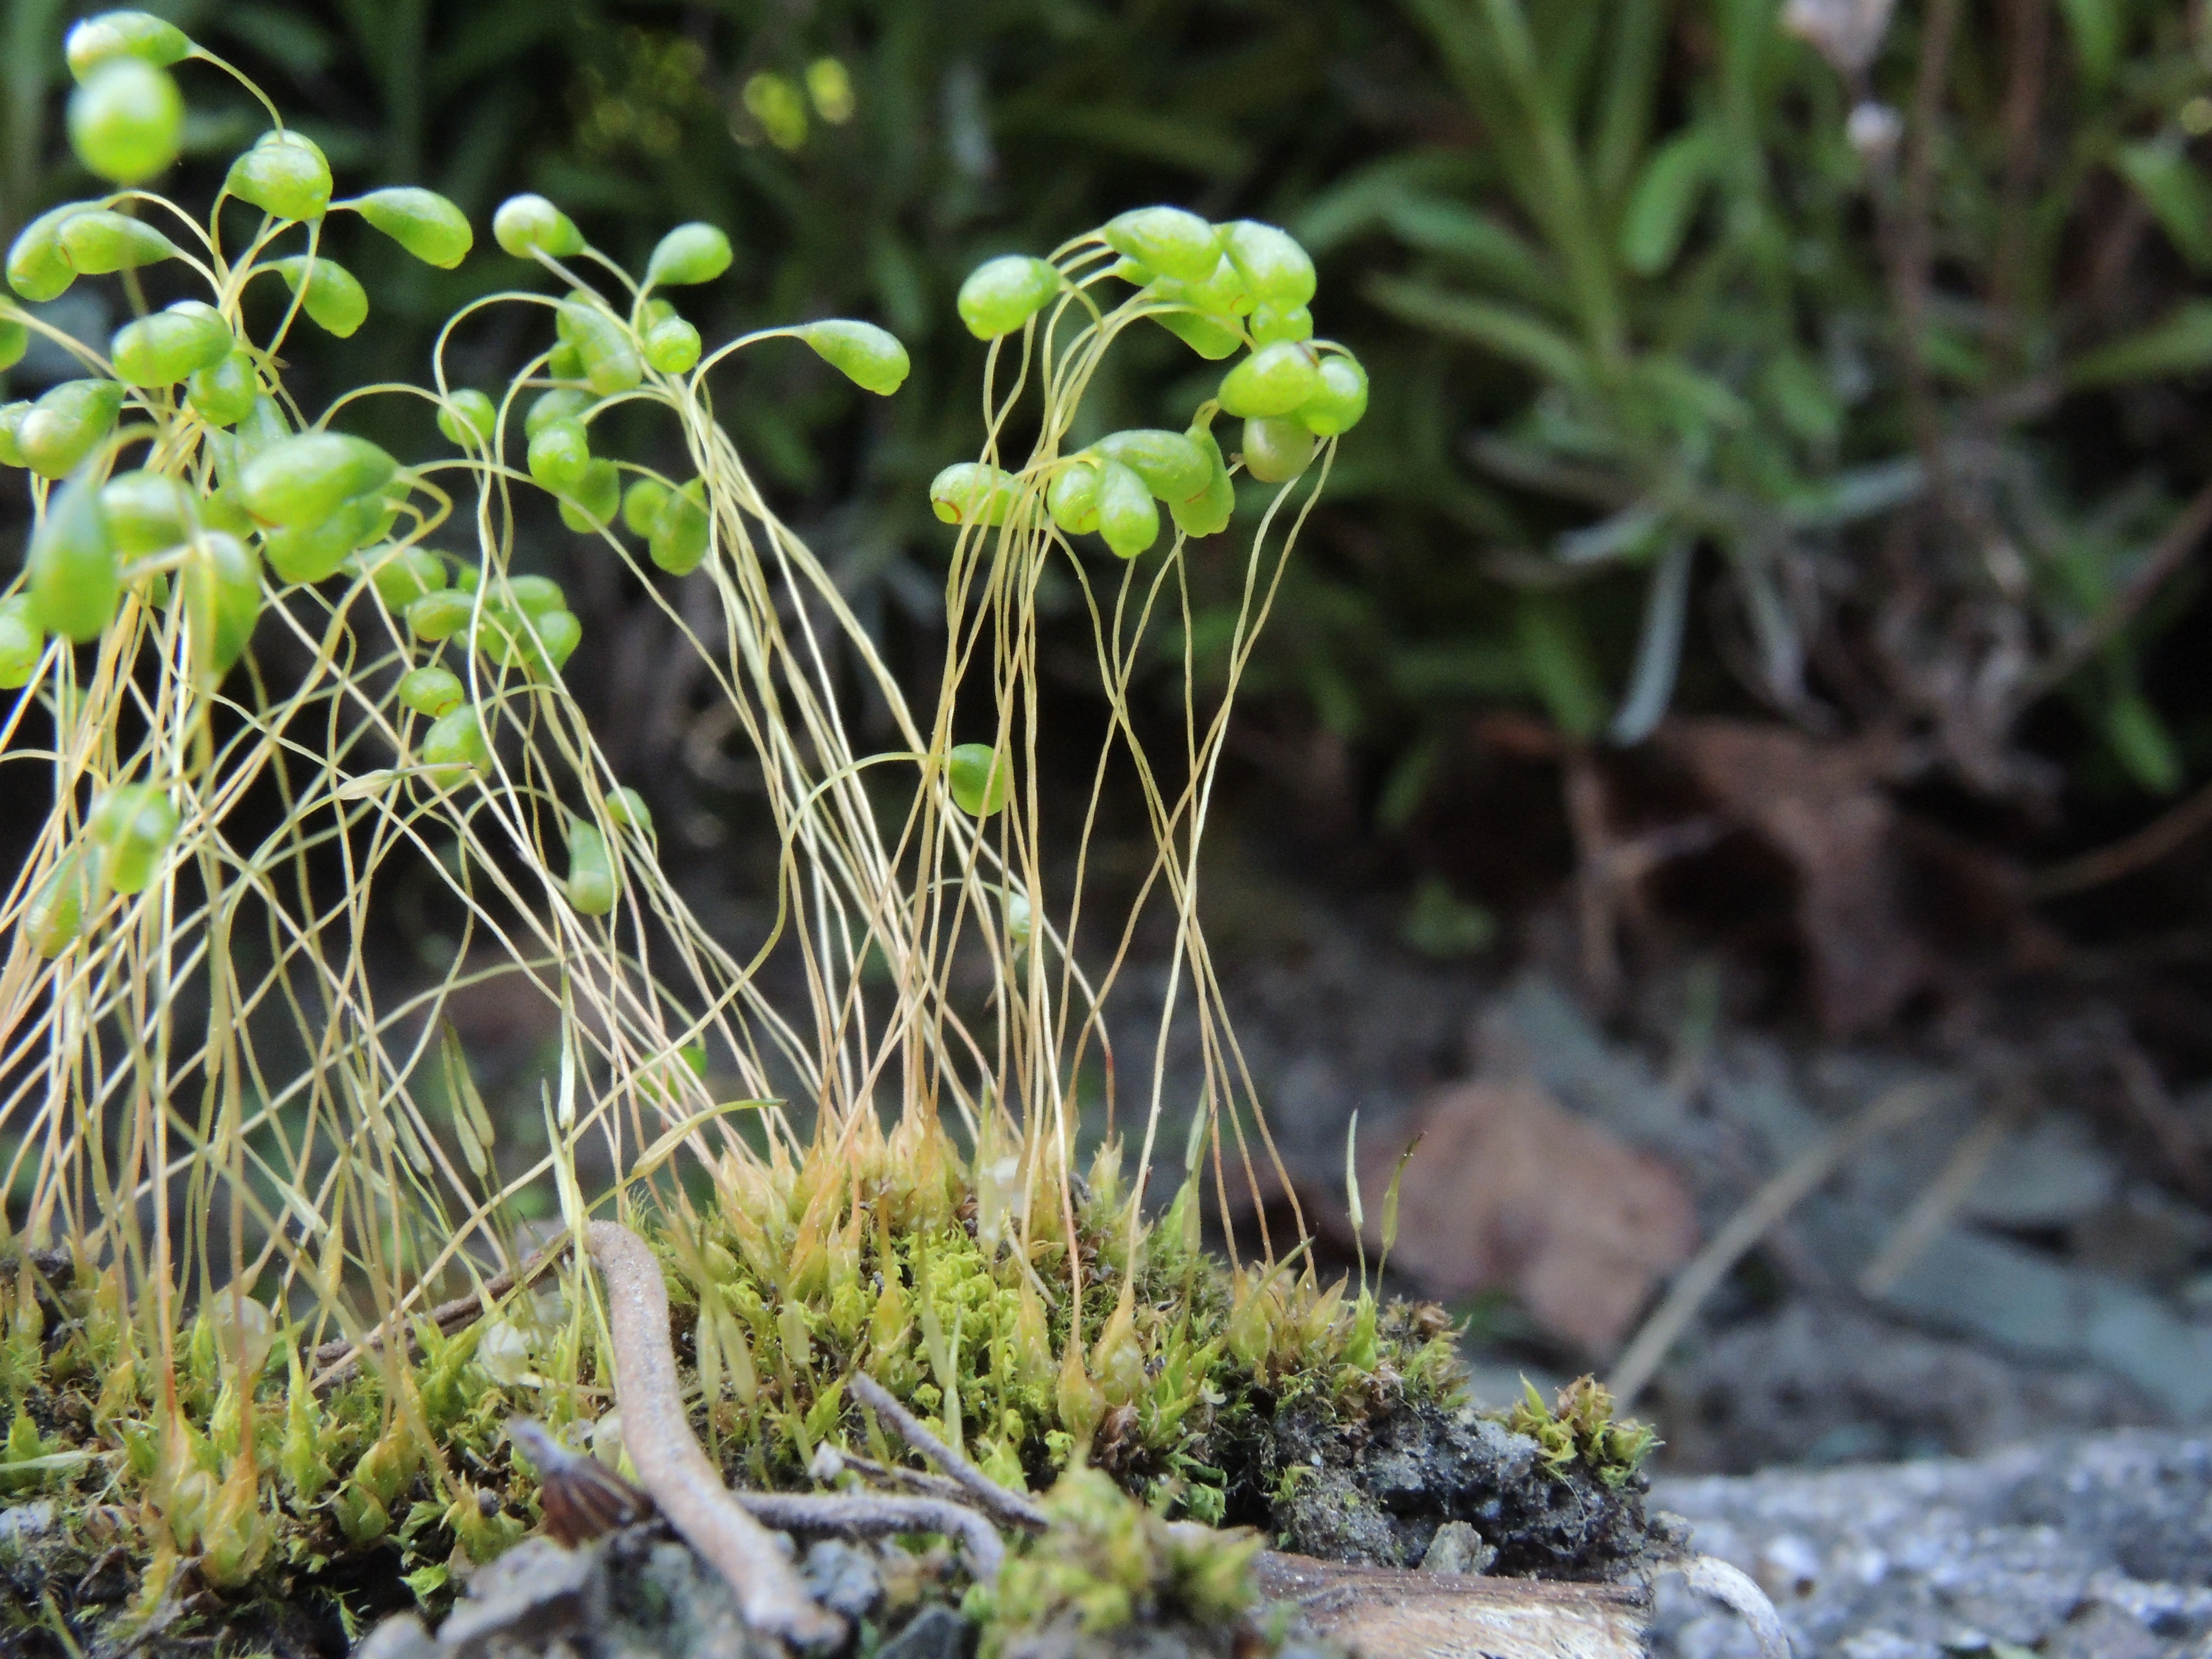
<point x="559" y="455"/>
<point x="535" y="596"/>
<point x="1274" y="380"/>
<point x="285" y="174"/>
<point x="260" y="429"/>
<point x="871" y="357"/>
<point x="146" y="512"/>
<point x="132" y="825"/>
<point x="688" y="254"/>
<point x="1210" y="339"/>
<point x="591" y="871"/>
<point x="604" y="346"/>
<point x="402" y="575"/>
<point x="38" y="269"/>
<point x="564" y="362"/>
<point x="221" y="580"/>
<point x="672" y="346"/>
<point x="679" y="538"/>
<point x="219" y="511"/>
<point x="333" y="295"/>
<point x="421" y="221"/>
<point x="99" y="242"/>
<point x="1173" y="468"/>
<point x="972" y="492"/>
<point x="1071" y="498"/>
<point x="1339" y="400"/>
<point x="1128" y="518"/>
<point x="529" y="224"/>
<point x="561" y="404"/>
<point x="67" y="424"/>
<point x="1276" y="269"/>
<point x="1277" y="449"/>
<point x="592" y="504"/>
<point x="112" y="34"/>
<point x="1208" y="512"/>
<point x="441" y="614"/>
<point x="127" y="120"/>
<point x="468" y="418"/>
<point x="1269" y="324"/>
<point x="1001" y="294"/>
<point x="22" y="642"/>
<point x="456" y="741"/>
<point x="12" y="417"/>
<point x="312" y="552"/>
<point x="979" y="779"/>
<point x="305" y="479"/>
<point x="55" y="917"/>
<point x="169" y="345"/>
<point x="222" y="393"/>
<point x="641" y="504"/>
<point x="559" y="633"/>
<point x="626" y="809"/>
<point x="431" y="690"/>
<point x="14" y="340"/>
<point x="1170" y="240"/>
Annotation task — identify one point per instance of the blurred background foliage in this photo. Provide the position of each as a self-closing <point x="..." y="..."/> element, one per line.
<point x="1841" y="369"/>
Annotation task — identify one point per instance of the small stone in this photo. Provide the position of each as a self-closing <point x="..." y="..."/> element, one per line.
<point x="935" y="1632"/>
<point x="843" y="1578"/>
<point x="400" y="1636"/>
<point x="535" y="1591"/>
<point x="1459" y="1548"/>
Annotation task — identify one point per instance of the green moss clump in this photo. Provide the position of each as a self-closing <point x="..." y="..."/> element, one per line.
<point x="1580" y="1427"/>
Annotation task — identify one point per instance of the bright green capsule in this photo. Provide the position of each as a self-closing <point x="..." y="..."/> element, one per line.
<point x="146" y="512"/>
<point x="421" y="221"/>
<point x="305" y="479"/>
<point x="672" y="346"/>
<point x="979" y="779"/>
<point x="127" y="120"/>
<point x="1128" y="518"/>
<point x="222" y="393"/>
<point x="591" y="871"/>
<point x="441" y="615"/>
<point x="1269" y="324"/>
<point x="1277" y="449"/>
<point x="641" y="503"/>
<point x="560" y="454"/>
<point x="561" y="404"/>
<point x="55" y="917"/>
<point x="564" y="362"/>
<point x="98" y="242"/>
<point x="38" y="269"/>
<point x="534" y="596"/>
<point x="402" y="575"/>
<point x="1073" y="498"/>
<point x="14" y="340"/>
<point x="608" y="355"/>
<point x="1340" y="399"/>
<point x="527" y="224"/>
<point x="67" y="424"/>
<point x="431" y="690"/>
<point x="1210" y="339"/>
<point x="22" y="642"/>
<point x="871" y="357"/>
<point x="679" y="538"/>
<point x="467" y="418"/>
<point x="284" y="174"/>
<point x="1276" y="271"/>
<point x="12" y="417"/>
<point x="689" y="253"/>
<point x="972" y="492"/>
<point x="1274" y="380"/>
<point x="1170" y="240"/>
<point x="312" y="552"/>
<point x="94" y="40"/>
<point x="1208" y="512"/>
<point x="592" y="504"/>
<point x="559" y="633"/>
<point x="1001" y="294"/>
<point x="133" y="825"/>
<point x="166" y="347"/>
<point x="221" y="582"/>
<point x="334" y="296"/>
<point x="626" y="809"/>
<point x="221" y="510"/>
<point x="456" y="739"/>
<point x="1173" y="468"/>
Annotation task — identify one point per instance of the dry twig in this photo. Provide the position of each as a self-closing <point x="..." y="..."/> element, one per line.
<point x="1015" y="1509"/>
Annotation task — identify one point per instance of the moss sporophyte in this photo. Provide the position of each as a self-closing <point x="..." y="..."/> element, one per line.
<point x="276" y="1276"/>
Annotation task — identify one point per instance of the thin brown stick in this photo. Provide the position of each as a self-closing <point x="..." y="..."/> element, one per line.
<point x="2161" y="836"/>
<point x="2167" y="556"/>
<point x="1938" y="1201"/>
<point x="670" y="1465"/>
<point x="340" y="1359"/>
<point x="1015" y="1509"/>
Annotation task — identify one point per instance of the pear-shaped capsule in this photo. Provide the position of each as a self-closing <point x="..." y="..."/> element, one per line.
<point x="146" y="512"/>
<point x="166" y="347"/>
<point x="1001" y="294"/>
<point x="679" y="537"/>
<point x="979" y="779"/>
<point x="332" y="295"/>
<point x="421" y="221"/>
<point x="221" y="580"/>
<point x="591" y="870"/>
<point x="1170" y="240"/>
<point x="304" y="478"/>
<point x="528" y="224"/>
<point x="38" y="268"/>
<point x="871" y="357"/>
<point x="22" y="642"/>
<point x="467" y="418"/>
<point x="431" y="690"/>
<point x="1274" y="380"/>
<point x="1275" y="268"/>
<point x="1208" y="512"/>
<point x="1128" y="518"/>
<point x="688" y="254"/>
<point x="672" y="346"/>
<point x="127" y="120"/>
<point x="67" y="424"/>
<point x="222" y="393"/>
<point x="99" y="241"/>
<point x="972" y="492"/>
<point x="140" y="34"/>
<point x="456" y="740"/>
<point x="1071" y="498"/>
<point x="1339" y="400"/>
<point x="1277" y="449"/>
<point x="285" y="174"/>
<point x="559" y="455"/>
<point x="1172" y="466"/>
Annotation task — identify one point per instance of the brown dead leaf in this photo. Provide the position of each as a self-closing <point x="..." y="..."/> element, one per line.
<point x="1822" y="807"/>
<point x="1509" y="1188"/>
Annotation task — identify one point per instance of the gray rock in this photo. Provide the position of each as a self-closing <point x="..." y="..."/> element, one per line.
<point x="1458" y="1548"/>
<point x="936" y="1633"/>
<point x="842" y="1578"/>
<point x="532" y="1594"/>
<point x="2048" y="1175"/>
<point x="400" y="1636"/>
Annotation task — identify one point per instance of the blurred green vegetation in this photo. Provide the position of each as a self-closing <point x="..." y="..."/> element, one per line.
<point x="1720" y="360"/>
